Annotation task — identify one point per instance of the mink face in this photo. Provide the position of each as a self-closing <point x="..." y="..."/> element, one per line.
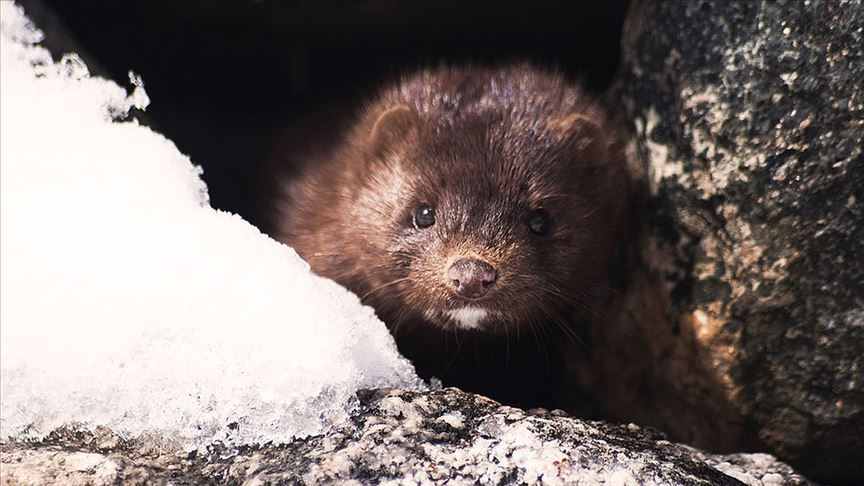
<point x="471" y="199"/>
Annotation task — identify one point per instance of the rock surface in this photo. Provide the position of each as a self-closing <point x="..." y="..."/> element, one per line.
<point x="406" y="438"/>
<point x="749" y="128"/>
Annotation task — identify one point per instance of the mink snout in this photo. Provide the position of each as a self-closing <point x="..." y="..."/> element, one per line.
<point x="471" y="277"/>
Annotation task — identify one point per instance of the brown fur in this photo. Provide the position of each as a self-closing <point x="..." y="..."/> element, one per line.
<point x="485" y="147"/>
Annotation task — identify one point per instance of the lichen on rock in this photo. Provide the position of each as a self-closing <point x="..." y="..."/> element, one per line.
<point x="749" y="122"/>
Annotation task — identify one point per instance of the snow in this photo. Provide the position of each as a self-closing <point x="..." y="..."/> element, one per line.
<point x="127" y="301"/>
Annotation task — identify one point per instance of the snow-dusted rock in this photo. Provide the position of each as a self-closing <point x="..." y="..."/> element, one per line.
<point x="409" y="437"/>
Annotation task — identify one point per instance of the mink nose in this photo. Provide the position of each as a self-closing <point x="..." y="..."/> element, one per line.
<point x="471" y="278"/>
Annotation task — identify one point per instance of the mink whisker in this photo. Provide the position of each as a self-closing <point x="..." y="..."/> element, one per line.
<point x="376" y="289"/>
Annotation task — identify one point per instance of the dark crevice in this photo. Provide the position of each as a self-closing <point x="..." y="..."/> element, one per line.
<point x="227" y="79"/>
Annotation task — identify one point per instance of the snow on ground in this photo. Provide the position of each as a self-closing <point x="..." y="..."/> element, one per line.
<point x="126" y="301"/>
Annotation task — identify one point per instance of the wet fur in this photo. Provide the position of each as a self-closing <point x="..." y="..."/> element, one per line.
<point x="485" y="147"/>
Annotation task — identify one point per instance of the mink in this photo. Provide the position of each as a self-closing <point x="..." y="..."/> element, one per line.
<point x="480" y="211"/>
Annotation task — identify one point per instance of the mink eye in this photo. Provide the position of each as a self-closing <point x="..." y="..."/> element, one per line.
<point x="424" y="216"/>
<point x="539" y="222"/>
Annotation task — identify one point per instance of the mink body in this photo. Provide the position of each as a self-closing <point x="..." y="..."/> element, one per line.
<point x="479" y="211"/>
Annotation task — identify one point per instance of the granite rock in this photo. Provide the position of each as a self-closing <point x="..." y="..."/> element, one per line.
<point x="401" y="437"/>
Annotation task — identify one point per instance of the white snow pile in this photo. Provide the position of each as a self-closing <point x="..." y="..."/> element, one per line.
<point x="126" y="301"/>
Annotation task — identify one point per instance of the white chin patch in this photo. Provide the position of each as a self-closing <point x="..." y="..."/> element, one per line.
<point x="468" y="317"/>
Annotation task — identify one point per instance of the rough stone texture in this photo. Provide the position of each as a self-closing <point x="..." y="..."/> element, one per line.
<point x="401" y="437"/>
<point x="749" y="127"/>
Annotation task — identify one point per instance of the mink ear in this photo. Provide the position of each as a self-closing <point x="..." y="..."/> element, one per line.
<point x="393" y="129"/>
<point x="582" y="136"/>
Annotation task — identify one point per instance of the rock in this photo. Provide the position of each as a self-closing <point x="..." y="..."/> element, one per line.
<point x="405" y="437"/>
<point x="749" y="128"/>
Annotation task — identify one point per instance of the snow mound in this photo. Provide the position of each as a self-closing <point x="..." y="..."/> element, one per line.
<point x="126" y="301"/>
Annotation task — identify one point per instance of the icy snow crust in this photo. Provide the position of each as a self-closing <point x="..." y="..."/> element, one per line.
<point x="128" y="302"/>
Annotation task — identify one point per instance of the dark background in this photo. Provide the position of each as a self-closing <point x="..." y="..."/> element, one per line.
<point x="237" y="85"/>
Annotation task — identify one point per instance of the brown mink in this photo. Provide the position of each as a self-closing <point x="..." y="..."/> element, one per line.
<point x="479" y="211"/>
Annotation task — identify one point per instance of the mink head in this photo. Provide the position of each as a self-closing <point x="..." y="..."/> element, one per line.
<point x="473" y="199"/>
